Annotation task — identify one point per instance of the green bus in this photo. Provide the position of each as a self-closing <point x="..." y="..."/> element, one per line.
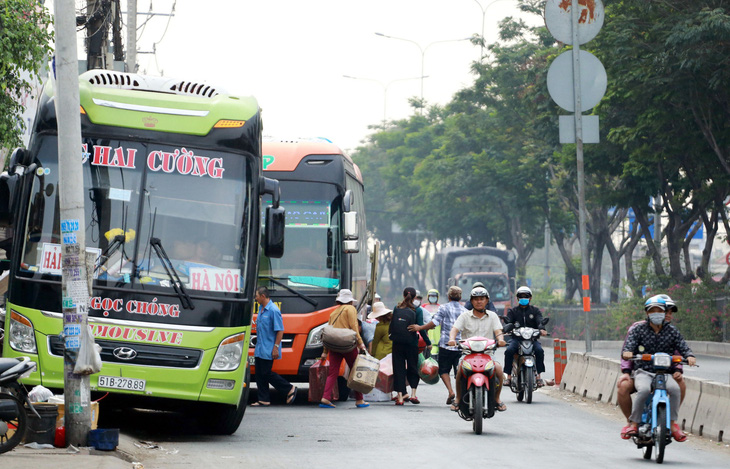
<point x="173" y="185"/>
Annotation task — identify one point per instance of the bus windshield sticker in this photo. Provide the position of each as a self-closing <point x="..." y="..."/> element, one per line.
<point x="323" y="282"/>
<point x="307" y="213"/>
<point x="124" y="195"/>
<point x="212" y="279"/>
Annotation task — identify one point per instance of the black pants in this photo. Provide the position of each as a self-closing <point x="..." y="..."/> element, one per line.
<point x="514" y="347"/>
<point x="405" y="365"/>
<point x="264" y="377"/>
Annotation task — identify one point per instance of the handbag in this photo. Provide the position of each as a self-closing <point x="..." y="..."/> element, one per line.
<point x="339" y="339"/>
<point x="364" y="373"/>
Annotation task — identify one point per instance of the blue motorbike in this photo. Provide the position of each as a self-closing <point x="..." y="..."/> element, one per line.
<point x="655" y="431"/>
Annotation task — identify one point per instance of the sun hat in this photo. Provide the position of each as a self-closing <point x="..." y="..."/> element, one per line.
<point x="344" y="296"/>
<point x="379" y="310"/>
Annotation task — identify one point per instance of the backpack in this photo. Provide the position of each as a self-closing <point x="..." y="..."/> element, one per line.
<point x="399" y="333"/>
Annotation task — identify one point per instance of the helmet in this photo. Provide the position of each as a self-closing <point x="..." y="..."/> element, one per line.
<point x="418" y="294"/>
<point x="671" y="305"/>
<point x="479" y="292"/>
<point x="433" y="291"/>
<point x="523" y="290"/>
<point x="656" y="300"/>
<point x="477" y="284"/>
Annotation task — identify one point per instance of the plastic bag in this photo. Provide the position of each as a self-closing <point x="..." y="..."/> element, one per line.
<point x="318" y="379"/>
<point x="40" y="394"/>
<point x="385" y="375"/>
<point x="89" y="359"/>
<point x="428" y="371"/>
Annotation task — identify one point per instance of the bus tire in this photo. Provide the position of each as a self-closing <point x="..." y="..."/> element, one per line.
<point x="224" y="419"/>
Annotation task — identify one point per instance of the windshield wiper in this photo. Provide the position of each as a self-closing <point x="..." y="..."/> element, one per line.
<point x="177" y="284"/>
<point x="287" y="287"/>
<point x="114" y="245"/>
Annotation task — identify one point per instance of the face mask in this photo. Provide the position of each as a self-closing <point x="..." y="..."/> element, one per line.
<point x="416" y="303"/>
<point x="524" y="301"/>
<point x="432" y="299"/>
<point x="656" y="318"/>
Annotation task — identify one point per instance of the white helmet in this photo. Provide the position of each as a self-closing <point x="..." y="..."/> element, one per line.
<point x="523" y="290"/>
<point x="479" y="292"/>
<point x="671" y="305"/>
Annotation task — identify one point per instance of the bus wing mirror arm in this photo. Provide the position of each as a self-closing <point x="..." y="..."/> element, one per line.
<point x="270" y="186"/>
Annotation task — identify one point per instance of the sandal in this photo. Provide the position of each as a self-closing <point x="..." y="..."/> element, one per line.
<point x="540" y="383"/>
<point x="397" y="402"/>
<point x="450" y="400"/>
<point x="414" y="400"/>
<point x="260" y="404"/>
<point x="677" y="433"/>
<point x="628" y="431"/>
<point x="292" y="395"/>
<point x="507" y="381"/>
<point x="455" y="407"/>
<point x="501" y="406"/>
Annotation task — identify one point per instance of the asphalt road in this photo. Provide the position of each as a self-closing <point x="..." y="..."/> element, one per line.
<point x="558" y="430"/>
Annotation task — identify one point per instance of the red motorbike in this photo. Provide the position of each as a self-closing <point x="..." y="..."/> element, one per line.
<point x="479" y="381"/>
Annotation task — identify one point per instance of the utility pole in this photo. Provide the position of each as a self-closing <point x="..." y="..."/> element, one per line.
<point x="117" y="32"/>
<point x="75" y="283"/>
<point x="131" y="36"/>
<point x="97" y="30"/>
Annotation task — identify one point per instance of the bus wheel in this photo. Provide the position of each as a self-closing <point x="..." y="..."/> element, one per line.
<point x="224" y="419"/>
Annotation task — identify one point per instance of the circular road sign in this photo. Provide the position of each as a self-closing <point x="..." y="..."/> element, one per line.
<point x="593" y="81"/>
<point x="559" y="19"/>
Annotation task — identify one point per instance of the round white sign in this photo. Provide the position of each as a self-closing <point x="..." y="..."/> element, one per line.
<point x="593" y="81"/>
<point x="559" y="19"/>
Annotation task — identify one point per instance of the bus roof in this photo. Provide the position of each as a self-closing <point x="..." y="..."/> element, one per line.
<point x="158" y="103"/>
<point x="285" y="155"/>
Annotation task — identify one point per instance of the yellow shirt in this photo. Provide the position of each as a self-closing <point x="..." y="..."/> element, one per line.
<point x="382" y="345"/>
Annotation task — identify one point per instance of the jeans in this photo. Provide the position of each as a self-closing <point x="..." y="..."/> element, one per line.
<point x="514" y="347"/>
<point x="264" y="377"/>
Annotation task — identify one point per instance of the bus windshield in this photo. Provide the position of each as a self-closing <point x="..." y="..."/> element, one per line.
<point x="146" y="203"/>
<point x="312" y="256"/>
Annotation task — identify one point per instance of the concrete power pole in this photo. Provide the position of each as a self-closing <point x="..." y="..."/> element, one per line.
<point x="75" y="282"/>
<point x="131" y="36"/>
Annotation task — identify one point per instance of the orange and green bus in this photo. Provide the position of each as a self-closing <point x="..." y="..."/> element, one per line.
<point x="173" y="182"/>
<point x="322" y="195"/>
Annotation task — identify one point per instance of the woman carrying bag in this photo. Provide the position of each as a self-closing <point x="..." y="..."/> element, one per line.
<point x="405" y="346"/>
<point x="343" y="317"/>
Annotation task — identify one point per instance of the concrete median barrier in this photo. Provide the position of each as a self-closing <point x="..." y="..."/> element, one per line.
<point x="688" y="409"/>
<point x="712" y="419"/>
<point x="574" y="373"/>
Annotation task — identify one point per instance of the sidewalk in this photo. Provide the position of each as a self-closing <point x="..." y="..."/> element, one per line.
<point x="123" y="457"/>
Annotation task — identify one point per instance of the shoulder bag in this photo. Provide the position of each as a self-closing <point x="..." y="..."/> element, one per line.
<point x="338" y="339"/>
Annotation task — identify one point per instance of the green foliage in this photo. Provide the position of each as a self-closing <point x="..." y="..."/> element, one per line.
<point x="25" y="39"/>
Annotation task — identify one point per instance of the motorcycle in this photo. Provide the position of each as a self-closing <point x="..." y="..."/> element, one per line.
<point x="655" y="431"/>
<point x="479" y="381"/>
<point x="524" y="372"/>
<point x="13" y="399"/>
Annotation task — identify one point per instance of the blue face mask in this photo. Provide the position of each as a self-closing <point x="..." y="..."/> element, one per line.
<point x="524" y="301"/>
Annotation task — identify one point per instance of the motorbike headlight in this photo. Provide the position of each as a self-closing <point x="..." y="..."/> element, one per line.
<point x="662" y="360"/>
<point x="229" y="353"/>
<point x="477" y="345"/>
<point x="490" y="365"/>
<point x="466" y="366"/>
<point x="21" y="335"/>
<point x="314" y="339"/>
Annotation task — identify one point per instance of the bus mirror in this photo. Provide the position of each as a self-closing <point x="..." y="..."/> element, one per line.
<point x="347" y="201"/>
<point x="274" y="232"/>
<point x="4" y="267"/>
<point x="7" y="184"/>
<point x="270" y="186"/>
<point x="20" y="157"/>
<point x="351" y="246"/>
<point x="351" y="226"/>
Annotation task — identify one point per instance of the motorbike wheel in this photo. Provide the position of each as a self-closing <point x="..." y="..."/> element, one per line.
<point x="529" y="384"/>
<point x="660" y="433"/>
<point x="478" y="402"/>
<point x="13" y="422"/>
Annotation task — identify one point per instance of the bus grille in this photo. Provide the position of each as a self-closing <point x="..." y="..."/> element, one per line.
<point x="145" y="355"/>
<point x="286" y="342"/>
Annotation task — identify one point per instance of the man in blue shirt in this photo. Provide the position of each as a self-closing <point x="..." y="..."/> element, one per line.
<point x="269" y="332"/>
<point x="448" y="357"/>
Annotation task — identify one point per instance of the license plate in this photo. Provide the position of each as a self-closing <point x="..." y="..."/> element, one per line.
<point x="116" y="382"/>
<point x="251" y="360"/>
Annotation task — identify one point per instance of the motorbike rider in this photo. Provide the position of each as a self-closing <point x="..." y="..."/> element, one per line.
<point x="625" y="385"/>
<point x="490" y="305"/>
<point x="478" y="322"/>
<point x="527" y="316"/>
<point x="653" y="336"/>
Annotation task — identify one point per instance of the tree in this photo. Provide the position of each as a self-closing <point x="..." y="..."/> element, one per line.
<point x="25" y="45"/>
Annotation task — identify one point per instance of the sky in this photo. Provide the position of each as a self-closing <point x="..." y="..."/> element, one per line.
<point x="292" y="55"/>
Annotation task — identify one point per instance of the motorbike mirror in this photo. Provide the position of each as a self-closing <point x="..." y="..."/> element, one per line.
<point x="509" y="327"/>
<point x="545" y="321"/>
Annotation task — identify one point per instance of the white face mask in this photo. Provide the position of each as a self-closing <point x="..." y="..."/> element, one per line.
<point x="416" y="303"/>
<point x="432" y="299"/>
<point x="657" y="318"/>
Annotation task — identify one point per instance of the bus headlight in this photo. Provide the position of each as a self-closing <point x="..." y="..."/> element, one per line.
<point x="21" y="336"/>
<point x="314" y="339"/>
<point x="229" y="353"/>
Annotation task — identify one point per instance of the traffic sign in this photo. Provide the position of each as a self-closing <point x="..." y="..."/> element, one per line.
<point x="558" y="19"/>
<point x="593" y="81"/>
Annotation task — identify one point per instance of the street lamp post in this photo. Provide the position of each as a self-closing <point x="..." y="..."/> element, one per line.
<point x="484" y="15"/>
<point x="423" y="52"/>
<point x="385" y="88"/>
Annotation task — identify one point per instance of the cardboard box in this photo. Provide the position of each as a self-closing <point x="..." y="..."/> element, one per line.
<point x="364" y="374"/>
<point x="94" y="415"/>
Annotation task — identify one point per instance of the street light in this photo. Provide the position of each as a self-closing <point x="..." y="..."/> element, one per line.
<point x="385" y="88"/>
<point x="484" y="14"/>
<point x="423" y="51"/>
